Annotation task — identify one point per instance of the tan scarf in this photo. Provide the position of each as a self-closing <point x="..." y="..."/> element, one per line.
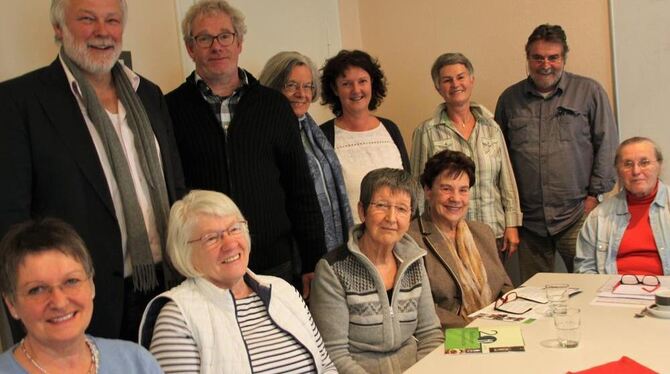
<point x="469" y="270"/>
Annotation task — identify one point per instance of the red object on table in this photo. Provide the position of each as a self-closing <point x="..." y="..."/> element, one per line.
<point x="624" y="365"/>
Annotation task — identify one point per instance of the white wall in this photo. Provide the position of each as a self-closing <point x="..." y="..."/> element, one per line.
<point x="311" y="27"/>
<point x="641" y="47"/>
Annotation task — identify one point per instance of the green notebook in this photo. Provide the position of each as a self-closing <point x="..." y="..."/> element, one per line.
<point x="483" y="340"/>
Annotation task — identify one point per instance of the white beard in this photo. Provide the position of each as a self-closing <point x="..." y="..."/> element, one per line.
<point x="79" y="53"/>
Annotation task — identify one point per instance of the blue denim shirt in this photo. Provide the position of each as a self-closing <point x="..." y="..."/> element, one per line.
<point x="598" y="242"/>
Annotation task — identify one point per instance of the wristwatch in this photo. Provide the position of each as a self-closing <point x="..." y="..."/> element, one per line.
<point x="599" y="197"/>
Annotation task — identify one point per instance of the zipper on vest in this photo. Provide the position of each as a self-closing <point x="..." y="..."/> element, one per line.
<point x="246" y="346"/>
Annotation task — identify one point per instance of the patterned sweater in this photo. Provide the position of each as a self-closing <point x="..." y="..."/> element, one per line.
<point x="363" y="331"/>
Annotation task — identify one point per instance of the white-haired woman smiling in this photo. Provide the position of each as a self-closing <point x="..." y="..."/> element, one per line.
<point x="296" y="76"/>
<point x="223" y="317"/>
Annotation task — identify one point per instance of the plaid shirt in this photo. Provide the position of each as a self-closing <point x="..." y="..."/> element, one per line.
<point x="223" y="107"/>
<point x="494" y="198"/>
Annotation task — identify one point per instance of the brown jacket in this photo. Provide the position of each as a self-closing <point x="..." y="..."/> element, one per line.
<point x="443" y="283"/>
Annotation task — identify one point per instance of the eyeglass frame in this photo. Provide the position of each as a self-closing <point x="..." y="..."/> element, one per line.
<point x="218" y="235"/>
<point x="638" y="281"/>
<point x="643" y="164"/>
<point x="504" y="299"/>
<point x="306" y="86"/>
<point x="64" y="287"/>
<point x="214" y="37"/>
<point x="385" y="207"/>
<point x="539" y="59"/>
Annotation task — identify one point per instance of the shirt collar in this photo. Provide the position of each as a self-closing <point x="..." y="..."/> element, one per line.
<point x="481" y="114"/>
<point x="74" y="86"/>
<point x="205" y="90"/>
<point x="529" y="86"/>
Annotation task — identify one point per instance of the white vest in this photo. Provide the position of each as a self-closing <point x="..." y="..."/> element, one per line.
<point x="210" y="316"/>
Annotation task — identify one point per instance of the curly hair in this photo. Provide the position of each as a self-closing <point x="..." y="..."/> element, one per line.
<point x="335" y="68"/>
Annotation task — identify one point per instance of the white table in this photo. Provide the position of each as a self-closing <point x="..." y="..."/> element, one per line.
<point x="607" y="333"/>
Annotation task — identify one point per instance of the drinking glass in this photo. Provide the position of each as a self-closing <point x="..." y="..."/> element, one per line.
<point x="557" y="295"/>
<point x="567" y="322"/>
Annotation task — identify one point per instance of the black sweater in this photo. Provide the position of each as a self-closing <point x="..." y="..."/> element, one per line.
<point x="260" y="164"/>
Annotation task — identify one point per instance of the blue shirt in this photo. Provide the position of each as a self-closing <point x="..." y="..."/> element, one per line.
<point x="600" y="237"/>
<point x="116" y="356"/>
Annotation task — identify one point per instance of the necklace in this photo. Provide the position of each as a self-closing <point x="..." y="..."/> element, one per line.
<point x="95" y="363"/>
<point x="463" y="123"/>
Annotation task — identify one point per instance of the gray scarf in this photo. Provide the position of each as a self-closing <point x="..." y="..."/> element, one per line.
<point x="137" y="242"/>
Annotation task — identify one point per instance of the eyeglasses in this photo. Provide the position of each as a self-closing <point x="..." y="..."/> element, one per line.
<point x="291" y="87"/>
<point x="538" y="59"/>
<point x="212" y="239"/>
<point x="40" y="293"/>
<point x="642" y="164"/>
<point x="504" y="299"/>
<point x="384" y="207"/>
<point x="206" y="40"/>
<point x="647" y="280"/>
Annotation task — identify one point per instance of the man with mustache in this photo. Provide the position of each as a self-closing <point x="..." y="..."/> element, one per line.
<point x="240" y="138"/>
<point x="89" y="141"/>
<point x="562" y="136"/>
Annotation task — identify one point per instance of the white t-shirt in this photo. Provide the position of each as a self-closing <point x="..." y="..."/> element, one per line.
<point x="360" y="152"/>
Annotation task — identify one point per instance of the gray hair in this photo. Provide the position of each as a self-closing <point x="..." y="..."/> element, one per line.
<point x="449" y="59"/>
<point x="57" y="12"/>
<point x="635" y="140"/>
<point x="548" y="33"/>
<point x="277" y="69"/>
<point x="184" y="217"/>
<point x="34" y="237"/>
<point x="398" y="180"/>
<point x="209" y="7"/>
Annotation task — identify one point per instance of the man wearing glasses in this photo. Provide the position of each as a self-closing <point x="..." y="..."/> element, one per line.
<point x="242" y="139"/>
<point x="561" y="136"/>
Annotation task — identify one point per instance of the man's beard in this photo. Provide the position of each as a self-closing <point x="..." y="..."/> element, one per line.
<point x="80" y="54"/>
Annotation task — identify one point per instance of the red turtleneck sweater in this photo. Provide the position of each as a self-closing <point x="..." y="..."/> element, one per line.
<point x="637" y="252"/>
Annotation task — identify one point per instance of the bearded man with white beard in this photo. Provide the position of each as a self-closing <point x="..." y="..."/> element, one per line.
<point x="89" y="141"/>
<point x="561" y="136"/>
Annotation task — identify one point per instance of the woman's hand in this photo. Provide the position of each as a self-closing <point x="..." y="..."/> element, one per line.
<point x="307" y="284"/>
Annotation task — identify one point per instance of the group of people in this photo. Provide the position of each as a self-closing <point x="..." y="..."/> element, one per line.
<point x="387" y="248"/>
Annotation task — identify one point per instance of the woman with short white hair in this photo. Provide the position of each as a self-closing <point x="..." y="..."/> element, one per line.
<point x="223" y="317"/>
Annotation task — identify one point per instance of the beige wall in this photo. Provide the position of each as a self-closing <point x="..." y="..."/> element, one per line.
<point x="491" y="33"/>
<point x="26" y="37"/>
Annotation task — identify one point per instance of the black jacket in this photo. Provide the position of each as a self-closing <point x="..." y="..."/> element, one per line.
<point x="260" y="163"/>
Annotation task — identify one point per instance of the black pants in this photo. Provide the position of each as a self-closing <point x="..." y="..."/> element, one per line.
<point x="134" y="303"/>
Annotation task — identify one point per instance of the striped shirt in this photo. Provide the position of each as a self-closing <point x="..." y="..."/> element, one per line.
<point x="270" y="349"/>
<point x="494" y="199"/>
